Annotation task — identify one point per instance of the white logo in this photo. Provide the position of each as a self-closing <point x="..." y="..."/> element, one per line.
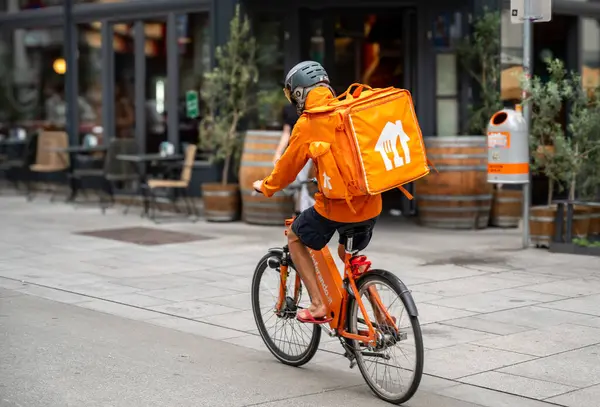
<point x="326" y="181"/>
<point x="387" y="144"/>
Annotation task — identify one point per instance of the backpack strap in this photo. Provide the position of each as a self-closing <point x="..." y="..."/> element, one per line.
<point x="406" y="193"/>
<point x="431" y="165"/>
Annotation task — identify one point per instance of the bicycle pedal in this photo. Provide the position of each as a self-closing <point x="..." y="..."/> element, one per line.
<point x="352" y="364"/>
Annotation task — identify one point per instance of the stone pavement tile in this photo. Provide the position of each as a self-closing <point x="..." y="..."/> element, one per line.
<point x="249" y="341"/>
<point x="429" y="313"/>
<point x="444" y="272"/>
<point x="488" y="398"/>
<point x="485" y="325"/>
<point x="238" y="301"/>
<point x="468" y="285"/>
<point x="426" y="399"/>
<point x="594" y="322"/>
<point x="525" y="294"/>
<point x="583" y="305"/>
<point x="206" y="275"/>
<point x="421" y="297"/>
<point x="54" y="294"/>
<point x="193" y="309"/>
<point x="589" y="396"/>
<point x="240" y="270"/>
<point x="433" y="383"/>
<point x="66" y="281"/>
<point x="483" y="302"/>
<point x="577" y="368"/>
<point x="535" y="317"/>
<point x="6" y="293"/>
<point x="409" y="279"/>
<point x="11" y="284"/>
<point x="124" y="311"/>
<point x="240" y="284"/>
<point x="437" y="336"/>
<point x="569" y="288"/>
<point x="156" y="282"/>
<point x="232" y="260"/>
<point x="138" y="300"/>
<point x="522" y="386"/>
<point x="195" y="328"/>
<point x="240" y="320"/>
<point x="101" y="289"/>
<point x="196" y="291"/>
<point x="466" y="359"/>
<point x="529" y="276"/>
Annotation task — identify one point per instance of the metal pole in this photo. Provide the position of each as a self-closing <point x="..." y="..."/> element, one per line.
<point x="140" y="84"/>
<point x="527" y="56"/>
<point x="108" y="83"/>
<point x="172" y="82"/>
<point x="70" y="50"/>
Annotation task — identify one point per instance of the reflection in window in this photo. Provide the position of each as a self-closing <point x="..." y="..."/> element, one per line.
<point x="269" y="32"/>
<point x="590" y="70"/>
<point x="511" y="58"/>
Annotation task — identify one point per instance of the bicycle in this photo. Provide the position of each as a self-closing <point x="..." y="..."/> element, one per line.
<point x="361" y="336"/>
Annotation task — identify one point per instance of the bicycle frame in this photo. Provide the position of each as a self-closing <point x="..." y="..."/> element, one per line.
<point x="335" y="292"/>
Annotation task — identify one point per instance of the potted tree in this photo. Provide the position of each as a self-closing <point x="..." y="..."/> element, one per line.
<point x="561" y="157"/>
<point x="463" y="182"/>
<point x="226" y="95"/>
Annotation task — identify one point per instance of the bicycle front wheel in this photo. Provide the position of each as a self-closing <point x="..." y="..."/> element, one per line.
<point x="290" y="341"/>
<point x="393" y="367"/>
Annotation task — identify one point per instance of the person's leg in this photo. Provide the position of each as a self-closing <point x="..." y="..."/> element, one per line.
<point x="313" y="231"/>
<point x="360" y="243"/>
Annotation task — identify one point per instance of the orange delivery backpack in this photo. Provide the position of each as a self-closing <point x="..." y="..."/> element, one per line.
<point x="370" y="143"/>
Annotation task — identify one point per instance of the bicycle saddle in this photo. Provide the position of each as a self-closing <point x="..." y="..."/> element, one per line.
<point x="354" y="230"/>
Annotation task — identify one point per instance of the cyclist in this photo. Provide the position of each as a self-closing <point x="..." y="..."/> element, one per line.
<point x="302" y="195"/>
<point x="307" y="86"/>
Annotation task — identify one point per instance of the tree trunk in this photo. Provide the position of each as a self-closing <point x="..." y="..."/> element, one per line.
<point x="230" y="142"/>
<point x="225" y="175"/>
<point x="550" y="190"/>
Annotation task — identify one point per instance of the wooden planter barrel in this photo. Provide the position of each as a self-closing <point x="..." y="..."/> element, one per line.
<point x="507" y="207"/>
<point x="257" y="163"/>
<point x="221" y="202"/>
<point x="542" y="227"/>
<point x="459" y="196"/>
<point x="594" y="229"/>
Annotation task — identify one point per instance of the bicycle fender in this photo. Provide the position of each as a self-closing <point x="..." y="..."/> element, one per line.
<point x="276" y="250"/>
<point x="411" y="306"/>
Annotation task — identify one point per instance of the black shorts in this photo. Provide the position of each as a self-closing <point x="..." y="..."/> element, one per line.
<point x="315" y="231"/>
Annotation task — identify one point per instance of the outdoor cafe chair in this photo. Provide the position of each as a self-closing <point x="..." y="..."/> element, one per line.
<point x="177" y="186"/>
<point x="48" y="161"/>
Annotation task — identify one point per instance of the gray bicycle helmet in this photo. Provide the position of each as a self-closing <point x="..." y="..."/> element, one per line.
<point x="303" y="78"/>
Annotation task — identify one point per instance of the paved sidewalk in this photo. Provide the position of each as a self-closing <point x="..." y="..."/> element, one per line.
<point x="502" y="326"/>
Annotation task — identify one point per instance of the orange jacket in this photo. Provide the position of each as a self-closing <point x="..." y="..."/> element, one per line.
<point x="295" y="157"/>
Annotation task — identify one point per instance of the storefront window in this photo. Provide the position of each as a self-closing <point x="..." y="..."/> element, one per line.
<point x="446" y="32"/>
<point x="32" y="70"/>
<point x="269" y="32"/>
<point x="590" y="37"/>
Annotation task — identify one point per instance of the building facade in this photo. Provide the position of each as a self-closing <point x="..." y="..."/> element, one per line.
<point x="144" y="46"/>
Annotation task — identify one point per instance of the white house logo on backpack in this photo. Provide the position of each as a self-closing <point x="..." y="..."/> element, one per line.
<point x="326" y="181"/>
<point x="387" y="143"/>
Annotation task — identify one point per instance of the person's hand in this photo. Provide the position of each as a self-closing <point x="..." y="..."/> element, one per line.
<point x="257" y="185"/>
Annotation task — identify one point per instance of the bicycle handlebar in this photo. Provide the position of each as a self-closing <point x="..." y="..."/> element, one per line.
<point x="297" y="185"/>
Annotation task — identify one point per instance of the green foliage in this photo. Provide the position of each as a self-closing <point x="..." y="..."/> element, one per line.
<point x="479" y="55"/>
<point x="572" y="150"/>
<point x="270" y="105"/>
<point x="584" y="148"/>
<point x="226" y="94"/>
<point x="585" y="243"/>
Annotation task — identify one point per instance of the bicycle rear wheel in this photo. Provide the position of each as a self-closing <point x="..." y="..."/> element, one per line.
<point x="290" y="341"/>
<point x="394" y="367"/>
